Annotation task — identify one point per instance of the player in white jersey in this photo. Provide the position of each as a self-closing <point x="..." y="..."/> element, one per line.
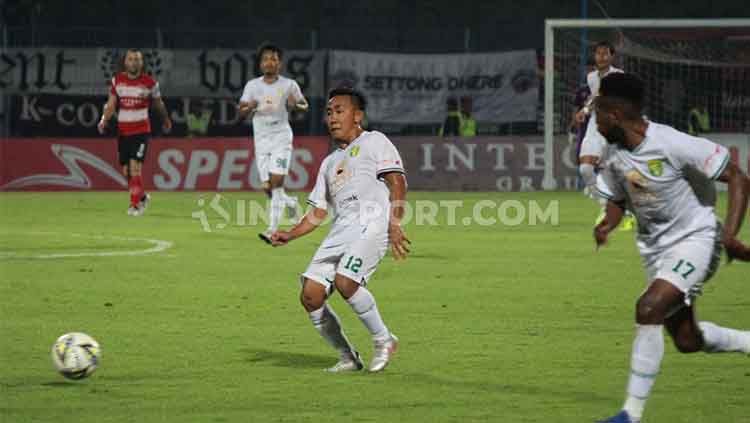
<point x="593" y="152"/>
<point x="679" y="236"/>
<point x="363" y="184"/>
<point x="269" y="98"/>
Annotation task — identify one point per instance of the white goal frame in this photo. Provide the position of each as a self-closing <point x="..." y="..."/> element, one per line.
<point x="549" y="182"/>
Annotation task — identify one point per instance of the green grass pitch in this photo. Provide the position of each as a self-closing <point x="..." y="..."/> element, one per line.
<point x="497" y="323"/>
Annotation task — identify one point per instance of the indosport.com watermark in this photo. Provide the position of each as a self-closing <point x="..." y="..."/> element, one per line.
<point x="219" y="212"/>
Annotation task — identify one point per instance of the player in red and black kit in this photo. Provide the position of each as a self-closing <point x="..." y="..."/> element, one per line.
<point x="132" y="93"/>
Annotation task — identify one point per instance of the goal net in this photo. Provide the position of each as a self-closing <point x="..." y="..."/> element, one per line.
<point x="685" y="64"/>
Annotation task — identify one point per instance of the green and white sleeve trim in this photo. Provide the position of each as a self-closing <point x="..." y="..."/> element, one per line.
<point x="721" y="169"/>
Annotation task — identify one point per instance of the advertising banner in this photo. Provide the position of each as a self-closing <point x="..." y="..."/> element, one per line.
<point x="202" y="164"/>
<point x="414" y="88"/>
<point x="188" y="72"/>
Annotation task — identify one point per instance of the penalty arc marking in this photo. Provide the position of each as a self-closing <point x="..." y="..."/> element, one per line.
<point x="157" y="246"/>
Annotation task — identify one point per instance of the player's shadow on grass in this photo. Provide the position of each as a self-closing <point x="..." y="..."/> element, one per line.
<point x="288" y="359"/>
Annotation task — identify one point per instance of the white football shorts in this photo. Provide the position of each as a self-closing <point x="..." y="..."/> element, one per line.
<point x="275" y="162"/>
<point x="354" y="253"/>
<point x="687" y="265"/>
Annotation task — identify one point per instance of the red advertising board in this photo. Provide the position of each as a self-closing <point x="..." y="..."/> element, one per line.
<point x="203" y="164"/>
<point x="510" y="163"/>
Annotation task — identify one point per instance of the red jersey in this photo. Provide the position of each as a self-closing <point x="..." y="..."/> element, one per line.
<point x="134" y="100"/>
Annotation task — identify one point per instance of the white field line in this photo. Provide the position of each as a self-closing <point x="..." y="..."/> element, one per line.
<point x="157" y="246"/>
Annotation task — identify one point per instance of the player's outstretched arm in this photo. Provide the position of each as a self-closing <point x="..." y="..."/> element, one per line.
<point x="738" y="185"/>
<point x="612" y="218"/>
<point x="309" y="223"/>
<point x="396" y="182"/>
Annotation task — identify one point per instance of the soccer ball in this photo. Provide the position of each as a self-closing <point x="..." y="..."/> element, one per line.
<point x="76" y="355"/>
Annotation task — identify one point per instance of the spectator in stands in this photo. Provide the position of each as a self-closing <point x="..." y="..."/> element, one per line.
<point x="698" y="120"/>
<point x="468" y="126"/>
<point x="452" y="123"/>
<point x="198" y="119"/>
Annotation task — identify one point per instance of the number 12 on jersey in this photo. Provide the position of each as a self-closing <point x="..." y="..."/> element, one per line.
<point x="353" y="264"/>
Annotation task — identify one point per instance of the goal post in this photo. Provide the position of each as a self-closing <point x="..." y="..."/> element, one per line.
<point x="683" y="61"/>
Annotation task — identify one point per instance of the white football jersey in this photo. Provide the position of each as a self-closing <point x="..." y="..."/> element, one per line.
<point x="653" y="182"/>
<point x="271" y="116"/>
<point x="349" y="181"/>
<point x="594" y="80"/>
<point x="594" y="143"/>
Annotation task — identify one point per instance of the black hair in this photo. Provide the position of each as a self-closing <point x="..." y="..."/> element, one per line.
<point x="624" y="87"/>
<point x="358" y="99"/>
<point x="605" y="44"/>
<point x="269" y="47"/>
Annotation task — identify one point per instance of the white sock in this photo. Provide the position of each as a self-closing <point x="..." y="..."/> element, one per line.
<point x="277" y="207"/>
<point x="328" y="325"/>
<point x="285" y="198"/>
<point x="718" y="339"/>
<point x="288" y="199"/>
<point x="363" y="303"/>
<point x="648" y="350"/>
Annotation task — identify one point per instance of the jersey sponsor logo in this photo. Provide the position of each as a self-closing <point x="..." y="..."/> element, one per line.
<point x="347" y="200"/>
<point x="270" y="103"/>
<point x="636" y="179"/>
<point x="656" y="167"/>
<point x="354" y="152"/>
<point x="132" y="115"/>
<point x="638" y="188"/>
<point x="137" y="91"/>
<point x="343" y="174"/>
<point x="133" y="103"/>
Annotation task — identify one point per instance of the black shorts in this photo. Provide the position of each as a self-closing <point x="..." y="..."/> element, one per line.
<point x="132" y="147"/>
